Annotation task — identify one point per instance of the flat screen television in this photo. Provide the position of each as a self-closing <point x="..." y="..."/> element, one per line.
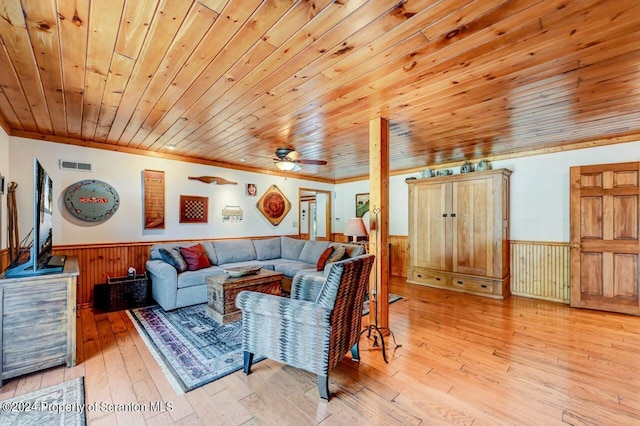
<point x="40" y="260"/>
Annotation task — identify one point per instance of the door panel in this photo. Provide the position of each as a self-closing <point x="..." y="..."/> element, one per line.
<point x="592" y="216"/>
<point x="625" y="276"/>
<point x="625" y="211"/>
<point x="473" y="227"/>
<point x="430" y="205"/>
<point x="605" y="243"/>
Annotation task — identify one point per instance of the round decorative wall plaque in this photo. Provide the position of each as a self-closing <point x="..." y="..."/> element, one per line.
<point x="91" y="200"/>
<point x="274" y="205"/>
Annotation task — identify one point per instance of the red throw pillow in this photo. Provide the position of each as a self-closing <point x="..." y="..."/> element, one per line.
<point x="196" y="257"/>
<point x="322" y="261"/>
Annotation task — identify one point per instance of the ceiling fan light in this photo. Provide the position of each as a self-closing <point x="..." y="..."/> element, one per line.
<point x="285" y="166"/>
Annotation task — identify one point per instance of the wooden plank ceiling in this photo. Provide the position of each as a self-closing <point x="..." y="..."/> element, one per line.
<point x="229" y="81"/>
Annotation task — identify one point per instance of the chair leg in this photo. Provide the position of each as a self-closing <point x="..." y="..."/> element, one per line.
<point x="248" y="360"/>
<point x="355" y="353"/>
<point x="323" y="386"/>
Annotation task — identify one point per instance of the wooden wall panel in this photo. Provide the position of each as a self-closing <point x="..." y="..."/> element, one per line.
<point x="540" y="270"/>
<point x="97" y="262"/>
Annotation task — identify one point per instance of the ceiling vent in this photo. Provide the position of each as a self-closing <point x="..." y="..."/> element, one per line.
<point x="75" y="165"/>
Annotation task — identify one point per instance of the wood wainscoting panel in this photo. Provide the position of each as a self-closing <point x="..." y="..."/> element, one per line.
<point x="540" y="270"/>
<point x="98" y="261"/>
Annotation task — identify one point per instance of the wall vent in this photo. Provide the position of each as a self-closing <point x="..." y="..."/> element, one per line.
<point x="75" y="165"/>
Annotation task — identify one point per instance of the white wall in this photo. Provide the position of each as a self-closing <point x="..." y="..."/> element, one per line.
<point x="4" y="171"/>
<point x="539" y="192"/>
<point x="124" y="172"/>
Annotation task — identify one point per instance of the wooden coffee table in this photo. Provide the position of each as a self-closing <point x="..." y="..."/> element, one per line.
<point x="222" y="291"/>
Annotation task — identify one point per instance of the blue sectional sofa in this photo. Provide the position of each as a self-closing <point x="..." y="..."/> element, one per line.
<point x="172" y="289"/>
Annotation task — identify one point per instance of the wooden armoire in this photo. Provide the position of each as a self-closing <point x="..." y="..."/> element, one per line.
<point x="459" y="232"/>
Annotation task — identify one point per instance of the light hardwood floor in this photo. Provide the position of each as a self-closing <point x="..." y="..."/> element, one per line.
<point x="463" y="360"/>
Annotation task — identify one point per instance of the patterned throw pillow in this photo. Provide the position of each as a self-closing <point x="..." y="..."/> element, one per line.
<point x="338" y="254"/>
<point x="324" y="257"/>
<point x="173" y="257"/>
<point x="196" y="257"/>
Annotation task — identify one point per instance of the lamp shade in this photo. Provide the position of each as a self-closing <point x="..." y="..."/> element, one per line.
<point x="285" y="165"/>
<point x="355" y="228"/>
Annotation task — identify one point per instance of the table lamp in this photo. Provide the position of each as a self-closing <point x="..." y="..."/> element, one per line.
<point x="355" y="229"/>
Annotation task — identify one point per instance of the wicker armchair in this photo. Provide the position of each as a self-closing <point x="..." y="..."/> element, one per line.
<point x="316" y="327"/>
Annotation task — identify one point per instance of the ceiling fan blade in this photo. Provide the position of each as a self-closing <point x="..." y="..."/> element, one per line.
<point x="293" y="155"/>
<point x="316" y="162"/>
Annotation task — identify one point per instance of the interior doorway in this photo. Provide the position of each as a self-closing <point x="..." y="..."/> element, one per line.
<point x="314" y="214"/>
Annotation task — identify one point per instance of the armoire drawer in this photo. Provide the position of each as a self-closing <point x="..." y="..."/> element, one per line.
<point x="473" y="285"/>
<point x="431" y="278"/>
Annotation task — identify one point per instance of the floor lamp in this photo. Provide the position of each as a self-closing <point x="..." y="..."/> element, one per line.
<point x="374" y="328"/>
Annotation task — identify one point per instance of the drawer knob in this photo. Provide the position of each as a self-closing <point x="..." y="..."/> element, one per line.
<point x="437" y="278"/>
<point x="460" y="282"/>
<point x="483" y="285"/>
<point x="419" y="276"/>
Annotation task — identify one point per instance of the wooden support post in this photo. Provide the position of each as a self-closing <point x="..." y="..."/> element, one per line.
<point x="379" y="223"/>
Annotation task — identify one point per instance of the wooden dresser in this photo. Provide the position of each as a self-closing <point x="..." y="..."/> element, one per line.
<point x="38" y="321"/>
<point x="459" y="231"/>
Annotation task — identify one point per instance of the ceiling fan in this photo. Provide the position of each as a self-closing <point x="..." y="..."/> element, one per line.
<point x="289" y="159"/>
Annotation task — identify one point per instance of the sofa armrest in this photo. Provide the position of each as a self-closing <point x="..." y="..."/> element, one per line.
<point x="164" y="283"/>
<point x="306" y="287"/>
<point x="276" y="308"/>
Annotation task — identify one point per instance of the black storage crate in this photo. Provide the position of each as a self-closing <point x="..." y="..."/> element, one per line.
<point x="122" y="293"/>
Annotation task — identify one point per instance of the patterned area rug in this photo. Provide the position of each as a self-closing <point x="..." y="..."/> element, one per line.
<point x="62" y="404"/>
<point x="191" y="347"/>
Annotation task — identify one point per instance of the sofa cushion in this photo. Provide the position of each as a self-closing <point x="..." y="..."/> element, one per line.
<point x="267" y="249"/>
<point x="211" y="252"/>
<point x="290" y="267"/>
<point x="291" y="248"/>
<point x="229" y="251"/>
<point x="173" y="257"/>
<point x="196" y="278"/>
<point x="312" y="250"/>
<point x="195" y="257"/>
<point x="352" y="250"/>
<point x="324" y="258"/>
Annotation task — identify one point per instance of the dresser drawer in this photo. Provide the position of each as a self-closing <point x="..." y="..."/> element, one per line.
<point x="430" y="277"/>
<point x="472" y="285"/>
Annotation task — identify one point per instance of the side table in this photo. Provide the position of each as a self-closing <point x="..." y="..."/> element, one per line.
<point x="222" y="291"/>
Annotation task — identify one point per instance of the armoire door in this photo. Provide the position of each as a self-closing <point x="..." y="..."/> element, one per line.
<point x="473" y="234"/>
<point x="431" y="206"/>
<point x="605" y="244"/>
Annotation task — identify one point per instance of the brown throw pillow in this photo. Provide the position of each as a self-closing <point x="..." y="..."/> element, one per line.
<point x="196" y="257"/>
<point x="323" y="258"/>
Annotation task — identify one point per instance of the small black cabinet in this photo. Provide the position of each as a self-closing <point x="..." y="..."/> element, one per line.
<point x="122" y="293"/>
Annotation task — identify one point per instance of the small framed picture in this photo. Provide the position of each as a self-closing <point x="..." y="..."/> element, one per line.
<point x="362" y="204"/>
<point x="1" y="184"/>
<point x="252" y="190"/>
